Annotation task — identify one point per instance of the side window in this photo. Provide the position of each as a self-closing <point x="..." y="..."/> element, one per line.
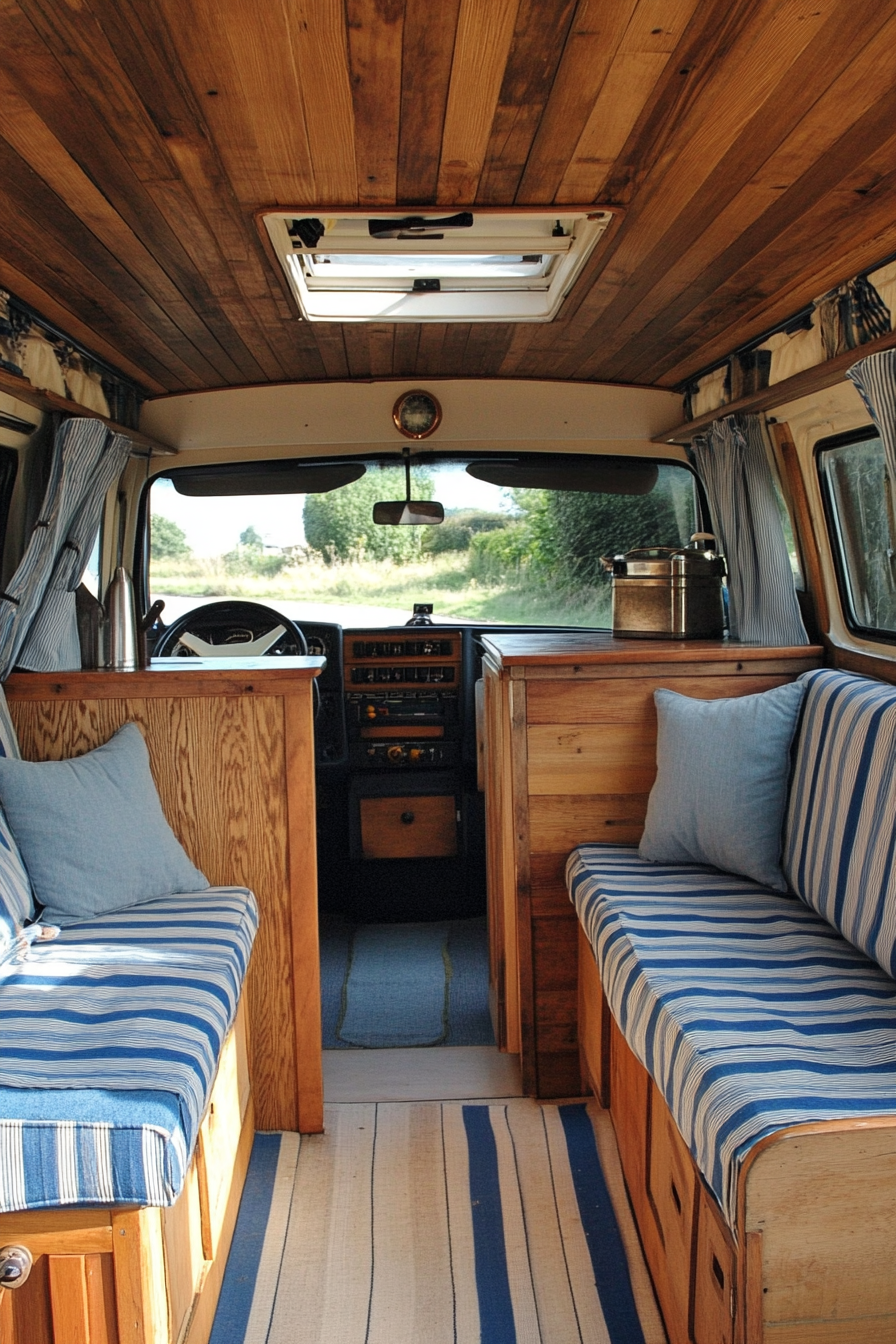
<point x="860" y="499"/>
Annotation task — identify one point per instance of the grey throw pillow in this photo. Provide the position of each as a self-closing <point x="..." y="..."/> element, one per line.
<point x="721" y="786"/>
<point x="92" y="833"/>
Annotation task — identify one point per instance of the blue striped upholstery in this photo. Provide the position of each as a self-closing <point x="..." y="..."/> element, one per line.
<point x="16" y="897"/>
<point x="9" y="743"/>
<point x="136" y="1004"/>
<point x="747" y="1008"/>
<point x="840" y="834"/>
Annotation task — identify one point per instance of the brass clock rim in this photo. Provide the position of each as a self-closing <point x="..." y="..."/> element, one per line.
<point x="396" y="413"/>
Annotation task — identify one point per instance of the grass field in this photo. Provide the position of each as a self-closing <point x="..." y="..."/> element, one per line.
<point x="442" y="579"/>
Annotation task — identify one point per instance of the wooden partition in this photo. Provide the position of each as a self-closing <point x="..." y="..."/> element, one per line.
<point x="231" y="744"/>
<point x="571" y="758"/>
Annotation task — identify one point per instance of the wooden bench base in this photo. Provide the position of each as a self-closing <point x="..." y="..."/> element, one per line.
<point x="811" y="1261"/>
<point x="140" y="1276"/>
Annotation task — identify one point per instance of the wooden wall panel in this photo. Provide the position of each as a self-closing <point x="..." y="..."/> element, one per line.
<point x="229" y="770"/>
<point x="572" y="727"/>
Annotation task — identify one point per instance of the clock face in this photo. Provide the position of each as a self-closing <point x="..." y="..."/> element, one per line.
<point x="416" y="414"/>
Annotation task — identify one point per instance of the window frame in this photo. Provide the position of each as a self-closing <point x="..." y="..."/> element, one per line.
<point x="421" y="457"/>
<point x="862" y="434"/>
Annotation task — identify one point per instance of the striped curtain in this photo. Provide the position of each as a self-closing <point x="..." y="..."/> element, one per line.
<point x="875" y="379"/>
<point x="732" y="463"/>
<point x="38" y="620"/>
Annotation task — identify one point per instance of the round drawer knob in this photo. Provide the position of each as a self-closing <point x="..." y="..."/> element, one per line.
<point x="407" y="818"/>
<point x="15" y="1266"/>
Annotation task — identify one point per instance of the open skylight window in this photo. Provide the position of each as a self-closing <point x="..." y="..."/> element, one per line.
<point x="470" y="266"/>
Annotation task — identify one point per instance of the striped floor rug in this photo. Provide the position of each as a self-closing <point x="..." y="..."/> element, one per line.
<point x="439" y="1223"/>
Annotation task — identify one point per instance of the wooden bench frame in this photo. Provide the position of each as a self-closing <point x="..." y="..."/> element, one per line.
<point x="126" y="1275"/>
<point x="811" y="1259"/>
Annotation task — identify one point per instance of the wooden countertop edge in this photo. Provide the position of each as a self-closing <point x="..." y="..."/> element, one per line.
<point x="542" y="651"/>
<point x="224" y="676"/>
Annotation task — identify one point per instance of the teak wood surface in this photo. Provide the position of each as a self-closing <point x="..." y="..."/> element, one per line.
<point x="571" y="758"/>
<point x="232" y="754"/>
<point x="748" y="147"/>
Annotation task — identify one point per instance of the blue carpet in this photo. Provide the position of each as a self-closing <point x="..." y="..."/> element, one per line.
<point x="396" y="992"/>
<point x="390" y="998"/>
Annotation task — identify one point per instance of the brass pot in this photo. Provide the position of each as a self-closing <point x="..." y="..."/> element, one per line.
<point x="667" y="592"/>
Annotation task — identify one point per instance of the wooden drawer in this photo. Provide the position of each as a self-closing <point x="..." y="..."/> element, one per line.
<point x="673" y="1191"/>
<point x="409" y="828"/>
<point x="219" y="1137"/>
<point x="714" y="1259"/>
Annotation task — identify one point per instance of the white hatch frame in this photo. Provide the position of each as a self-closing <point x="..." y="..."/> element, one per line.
<point x="435" y="264"/>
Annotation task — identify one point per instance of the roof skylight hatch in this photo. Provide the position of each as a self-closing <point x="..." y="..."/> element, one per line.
<point x="469" y="266"/>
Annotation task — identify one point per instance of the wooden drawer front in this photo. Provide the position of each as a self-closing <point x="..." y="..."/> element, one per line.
<point x="409" y="828"/>
<point x="219" y="1137"/>
<point x="673" y="1190"/>
<point x="713" y="1277"/>
<point x="629" y="1090"/>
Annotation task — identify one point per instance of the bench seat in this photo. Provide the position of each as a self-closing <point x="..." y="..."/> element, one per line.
<point x="750" y="1011"/>
<point x="111" y="1036"/>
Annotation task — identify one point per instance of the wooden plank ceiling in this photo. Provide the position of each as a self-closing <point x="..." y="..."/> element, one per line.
<point x="751" y="144"/>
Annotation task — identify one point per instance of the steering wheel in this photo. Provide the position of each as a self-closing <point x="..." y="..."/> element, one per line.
<point x="231" y="625"/>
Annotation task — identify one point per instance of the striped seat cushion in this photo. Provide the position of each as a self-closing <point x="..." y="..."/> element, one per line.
<point x="840" y="833"/>
<point x="111" y="1038"/>
<point x="749" y="1011"/>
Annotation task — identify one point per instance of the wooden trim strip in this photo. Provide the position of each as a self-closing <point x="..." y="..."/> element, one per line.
<point x="302" y="859"/>
<point x="197" y="677"/>
<point x="51" y="402"/>
<point x="814" y="379"/>
<point x="586" y="650"/>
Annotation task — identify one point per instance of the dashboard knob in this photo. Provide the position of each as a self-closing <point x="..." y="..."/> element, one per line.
<point x="395" y="753"/>
<point x="407" y="818"/>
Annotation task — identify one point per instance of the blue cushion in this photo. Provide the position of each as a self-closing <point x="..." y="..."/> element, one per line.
<point x="840" y="839"/>
<point x="721" y="784"/>
<point x="92" y="832"/>
<point x="16" y="897"/>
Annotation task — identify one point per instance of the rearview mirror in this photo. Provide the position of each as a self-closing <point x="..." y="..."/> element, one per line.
<point x="408" y="512"/>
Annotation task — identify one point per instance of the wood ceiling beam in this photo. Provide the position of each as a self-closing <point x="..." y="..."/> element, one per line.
<point x="48" y="84"/>
<point x="485" y="31"/>
<point x="535" y="52"/>
<point x="818" y="132"/>
<point x="428" y="41"/>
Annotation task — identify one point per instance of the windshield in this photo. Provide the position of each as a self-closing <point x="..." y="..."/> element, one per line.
<point x="520" y="555"/>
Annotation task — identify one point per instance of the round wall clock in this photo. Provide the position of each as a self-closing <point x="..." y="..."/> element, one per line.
<point x="417" y="414"/>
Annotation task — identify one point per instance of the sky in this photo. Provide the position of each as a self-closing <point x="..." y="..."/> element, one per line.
<point x="213" y="526"/>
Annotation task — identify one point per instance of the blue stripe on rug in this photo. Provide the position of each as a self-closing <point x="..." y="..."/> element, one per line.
<point x="238" y="1288"/>
<point x="608" y="1259"/>
<point x="492" y="1282"/>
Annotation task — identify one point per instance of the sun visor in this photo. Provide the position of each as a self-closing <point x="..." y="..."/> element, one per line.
<point x="596" y="475"/>
<point x="284" y="476"/>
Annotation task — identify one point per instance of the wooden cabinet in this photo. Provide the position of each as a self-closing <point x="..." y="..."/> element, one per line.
<point x="231" y="743"/>
<point x="570" y="743"/>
